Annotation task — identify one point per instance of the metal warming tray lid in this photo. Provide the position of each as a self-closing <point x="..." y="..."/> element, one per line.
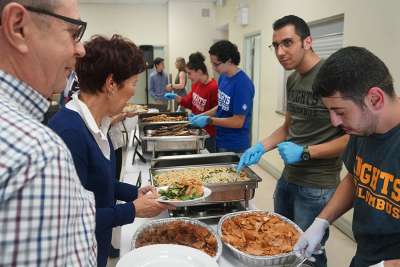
<point x="221" y="192"/>
<point x="195" y="142"/>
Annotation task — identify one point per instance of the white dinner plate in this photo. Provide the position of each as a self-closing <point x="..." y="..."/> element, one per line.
<point x="152" y="110"/>
<point x="182" y="203"/>
<point x="166" y="255"/>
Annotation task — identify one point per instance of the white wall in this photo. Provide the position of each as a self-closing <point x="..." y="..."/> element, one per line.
<point x="188" y="31"/>
<point x="142" y="23"/>
<point x="177" y="25"/>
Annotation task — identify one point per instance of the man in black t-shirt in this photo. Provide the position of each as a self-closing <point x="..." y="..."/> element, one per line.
<point x="357" y="88"/>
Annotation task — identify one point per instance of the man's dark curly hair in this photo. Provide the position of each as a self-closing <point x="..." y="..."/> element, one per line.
<point x="224" y="51"/>
<point x="352" y="71"/>
<point x="300" y="26"/>
<point x="117" y="56"/>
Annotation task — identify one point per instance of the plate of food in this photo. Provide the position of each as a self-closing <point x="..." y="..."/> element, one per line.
<point x="183" y="192"/>
<point x="134" y="108"/>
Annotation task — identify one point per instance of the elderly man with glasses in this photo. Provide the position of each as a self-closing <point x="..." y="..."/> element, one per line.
<point x="47" y="217"/>
<point x="307" y="142"/>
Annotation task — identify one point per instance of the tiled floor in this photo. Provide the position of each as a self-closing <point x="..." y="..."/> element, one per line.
<point x="340" y="248"/>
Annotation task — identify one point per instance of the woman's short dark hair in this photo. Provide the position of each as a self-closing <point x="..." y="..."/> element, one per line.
<point x="196" y="62"/>
<point x="352" y="71"/>
<point x="224" y="51"/>
<point x="300" y="26"/>
<point x="117" y="56"/>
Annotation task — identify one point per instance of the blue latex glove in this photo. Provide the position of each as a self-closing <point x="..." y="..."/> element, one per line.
<point x="251" y="156"/>
<point x="170" y="96"/>
<point x="200" y="121"/>
<point x="192" y="117"/>
<point x="290" y="152"/>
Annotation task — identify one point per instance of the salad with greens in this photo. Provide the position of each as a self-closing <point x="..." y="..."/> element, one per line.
<point x="184" y="189"/>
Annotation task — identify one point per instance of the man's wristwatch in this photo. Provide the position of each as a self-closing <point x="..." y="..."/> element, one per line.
<point x="306" y="153"/>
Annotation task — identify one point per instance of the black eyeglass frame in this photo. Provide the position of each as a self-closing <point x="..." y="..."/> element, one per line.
<point x="82" y="24"/>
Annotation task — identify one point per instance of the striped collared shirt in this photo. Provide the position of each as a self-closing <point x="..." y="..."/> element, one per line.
<point x="46" y="217"/>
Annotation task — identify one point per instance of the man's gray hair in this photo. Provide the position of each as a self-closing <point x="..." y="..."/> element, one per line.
<point x="48" y="5"/>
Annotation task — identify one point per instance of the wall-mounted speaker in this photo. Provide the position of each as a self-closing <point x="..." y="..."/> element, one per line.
<point x="148" y="53"/>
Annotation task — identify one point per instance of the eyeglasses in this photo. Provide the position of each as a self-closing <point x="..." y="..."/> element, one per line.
<point x="216" y="65"/>
<point x="77" y="35"/>
<point x="285" y="43"/>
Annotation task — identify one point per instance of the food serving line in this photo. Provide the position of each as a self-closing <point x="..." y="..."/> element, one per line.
<point x="225" y="197"/>
<point x="128" y="231"/>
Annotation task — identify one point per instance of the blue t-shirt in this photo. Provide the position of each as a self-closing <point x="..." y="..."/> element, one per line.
<point x="374" y="162"/>
<point x="235" y="97"/>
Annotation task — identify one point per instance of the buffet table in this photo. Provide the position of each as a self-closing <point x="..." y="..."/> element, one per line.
<point x="131" y="173"/>
<point x="127" y="231"/>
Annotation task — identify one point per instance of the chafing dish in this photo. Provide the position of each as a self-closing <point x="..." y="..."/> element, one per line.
<point x="221" y="192"/>
<point x="155" y="144"/>
<point x="285" y="259"/>
<point x="143" y="116"/>
<point x="155" y="223"/>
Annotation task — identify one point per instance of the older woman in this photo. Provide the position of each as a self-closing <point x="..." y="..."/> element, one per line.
<point x="107" y="78"/>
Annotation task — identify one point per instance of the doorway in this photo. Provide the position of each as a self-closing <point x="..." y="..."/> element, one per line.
<point x="252" y="67"/>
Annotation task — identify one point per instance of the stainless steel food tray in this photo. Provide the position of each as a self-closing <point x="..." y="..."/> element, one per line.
<point x="142" y="123"/>
<point x="182" y="219"/>
<point x="155" y="144"/>
<point x="286" y="259"/>
<point x="221" y="192"/>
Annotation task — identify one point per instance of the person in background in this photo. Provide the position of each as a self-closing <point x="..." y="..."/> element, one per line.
<point x="158" y="81"/>
<point x="232" y="115"/>
<point x="69" y="89"/>
<point x="307" y="142"/>
<point x="107" y="75"/>
<point x="47" y="217"/>
<point x="357" y="88"/>
<point x="203" y="96"/>
<point x="179" y="86"/>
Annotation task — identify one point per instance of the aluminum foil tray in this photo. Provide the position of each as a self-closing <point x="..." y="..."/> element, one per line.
<point x="286" y="259"/>
<point x="155" y="223"/>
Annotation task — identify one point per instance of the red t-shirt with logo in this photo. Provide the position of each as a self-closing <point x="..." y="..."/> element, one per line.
<point x="201" y="98"/>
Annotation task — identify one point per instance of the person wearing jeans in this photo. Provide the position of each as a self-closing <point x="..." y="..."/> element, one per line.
<point x="357" y="87"/>
<point x="307" y="142"/>
<point x="301" y="203"/>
